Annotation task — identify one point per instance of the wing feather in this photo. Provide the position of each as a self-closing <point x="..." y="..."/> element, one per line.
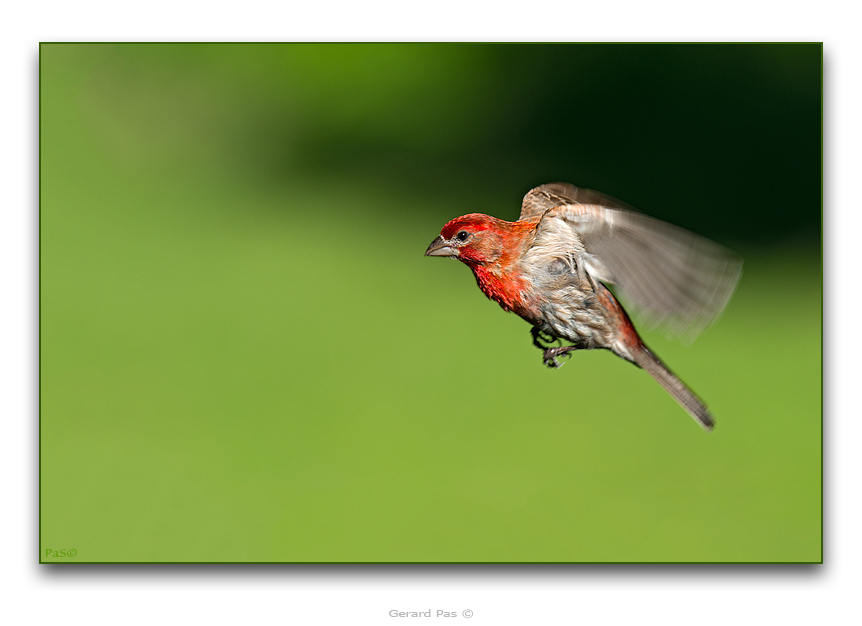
<point x="545" y="197"/>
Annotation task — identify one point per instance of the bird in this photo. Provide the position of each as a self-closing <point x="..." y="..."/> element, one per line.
<point x="572" y="249"/>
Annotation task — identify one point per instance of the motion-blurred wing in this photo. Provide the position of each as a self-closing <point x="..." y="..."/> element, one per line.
<point x="670" y="276"/>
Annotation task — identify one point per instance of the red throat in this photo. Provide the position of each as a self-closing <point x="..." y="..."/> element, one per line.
<point x="507" y="289"/>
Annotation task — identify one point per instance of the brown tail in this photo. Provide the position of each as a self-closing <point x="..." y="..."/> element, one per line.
<point x="673" y="385"/>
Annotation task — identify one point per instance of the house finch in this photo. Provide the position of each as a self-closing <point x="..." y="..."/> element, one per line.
<point x="552" y="265"/>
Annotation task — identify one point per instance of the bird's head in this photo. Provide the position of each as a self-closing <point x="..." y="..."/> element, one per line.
<point x="475" y="239"/>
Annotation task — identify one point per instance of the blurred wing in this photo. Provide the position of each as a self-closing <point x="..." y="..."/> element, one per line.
<point x="552" y="195"/>
<point x="670" y="276"/>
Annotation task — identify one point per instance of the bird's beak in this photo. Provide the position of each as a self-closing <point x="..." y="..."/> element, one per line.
<point x="439" y="247"/>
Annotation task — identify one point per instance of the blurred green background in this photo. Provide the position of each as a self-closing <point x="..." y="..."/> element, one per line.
<point x="246" y="357"/>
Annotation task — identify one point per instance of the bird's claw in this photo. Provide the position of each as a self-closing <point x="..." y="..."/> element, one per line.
<point x="549" y="357"/>
<point x="551" y="362"/>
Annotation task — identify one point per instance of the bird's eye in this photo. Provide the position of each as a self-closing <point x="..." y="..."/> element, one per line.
<point x="462" y="235"/>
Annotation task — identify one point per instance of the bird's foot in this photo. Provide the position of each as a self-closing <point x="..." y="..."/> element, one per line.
<point x="550" y="352"/>
<point x="539" y="337"/>
<point x="549" y="356"/>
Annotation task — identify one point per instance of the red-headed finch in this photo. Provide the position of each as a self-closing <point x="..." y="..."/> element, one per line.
<point x="552" y="265"/>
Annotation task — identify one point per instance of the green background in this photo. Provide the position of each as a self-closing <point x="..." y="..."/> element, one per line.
<point x="246" y="357"/>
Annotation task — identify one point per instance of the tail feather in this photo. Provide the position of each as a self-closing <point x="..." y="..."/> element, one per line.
<point x="645" y="359"/>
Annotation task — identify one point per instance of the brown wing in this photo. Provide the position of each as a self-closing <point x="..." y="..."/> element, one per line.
<point x="669" y="275"/>
<point x="546" y="197"/>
